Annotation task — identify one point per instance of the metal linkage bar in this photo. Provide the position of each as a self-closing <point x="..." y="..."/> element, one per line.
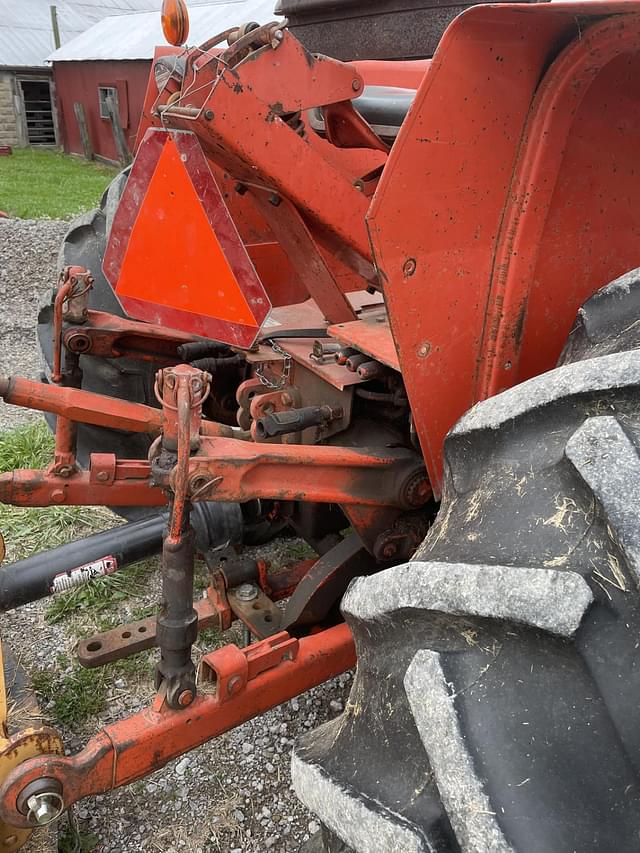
<point x="89" y="408"/>
<point x="134" y="637"/>
<point x="238" y="470"/>
<point x="107" y="336"/>
<point x="227" y="469"/>
<point x="222" y="469"/>
<point x="128" y="485"/>
<point x="181" y="390"/>
<point x="247" y="681"/>
<point x="82" y="406"/>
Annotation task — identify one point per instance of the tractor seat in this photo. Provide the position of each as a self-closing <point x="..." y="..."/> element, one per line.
<point x="383" y="107"/>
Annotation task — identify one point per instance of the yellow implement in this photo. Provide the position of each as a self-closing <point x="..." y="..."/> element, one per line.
<point x="16" y="748"/>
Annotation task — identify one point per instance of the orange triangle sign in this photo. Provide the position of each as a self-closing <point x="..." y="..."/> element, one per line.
<point x="174" y="255"/>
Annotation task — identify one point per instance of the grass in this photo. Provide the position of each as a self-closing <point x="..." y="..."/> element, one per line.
<point x="210" y="639"/>
<point x="300" y="550"/>
<point x="70" y="841"/>
<point x="27" y="446"/>
<point x="76" y="695"/>
<point x="37" y="183"/>
<point x="28" y="529"/>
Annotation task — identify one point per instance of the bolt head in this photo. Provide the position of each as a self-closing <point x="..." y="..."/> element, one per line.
<point x="424" y="349"/>
<point x="185" y="698"/>
<point x="356" y="84"/>
<point x="44" y="808"/>
<point x="409" y="267"/>
<point x="102" y="476"/>
<point x="246" y="592"/>
<point x="417" y="491"/>
<point x="234" y="685"/>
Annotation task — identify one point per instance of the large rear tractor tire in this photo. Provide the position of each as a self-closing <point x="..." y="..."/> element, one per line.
<point x="496" y="701"/>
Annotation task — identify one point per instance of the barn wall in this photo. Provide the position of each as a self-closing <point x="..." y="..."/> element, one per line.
<point x="8" y="118"/>
<point x="79" y="81"/>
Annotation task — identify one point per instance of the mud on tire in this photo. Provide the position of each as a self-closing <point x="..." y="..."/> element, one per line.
<point x="495" y="706"/>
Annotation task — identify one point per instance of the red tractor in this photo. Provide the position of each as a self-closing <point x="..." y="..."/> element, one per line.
<point x="359" y="293"/>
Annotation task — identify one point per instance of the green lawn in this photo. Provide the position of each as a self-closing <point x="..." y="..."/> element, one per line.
<point x="44" y="184"/>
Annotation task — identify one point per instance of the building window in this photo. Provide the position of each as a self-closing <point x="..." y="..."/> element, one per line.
<point x="105" y="92"/>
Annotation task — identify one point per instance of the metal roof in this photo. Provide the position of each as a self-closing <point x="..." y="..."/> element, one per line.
<point x="136" y="36"/>
<point x="26" y="35"/>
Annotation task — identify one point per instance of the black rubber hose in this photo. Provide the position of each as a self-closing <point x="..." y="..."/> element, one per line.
<point x="200" y="349"/>
<point x="211" y="365"/>
<point x="83" y="560"/>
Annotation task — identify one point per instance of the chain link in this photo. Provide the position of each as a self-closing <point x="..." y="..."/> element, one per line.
<point x="286" y="368"/>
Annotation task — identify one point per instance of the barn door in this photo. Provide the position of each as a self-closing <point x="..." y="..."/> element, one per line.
<point x="36" y="96"/>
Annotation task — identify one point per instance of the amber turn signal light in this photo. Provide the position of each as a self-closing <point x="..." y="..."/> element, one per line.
<point x="175" y="21"/>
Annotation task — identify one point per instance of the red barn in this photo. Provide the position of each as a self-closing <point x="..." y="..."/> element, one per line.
<point x="113" y="58"/>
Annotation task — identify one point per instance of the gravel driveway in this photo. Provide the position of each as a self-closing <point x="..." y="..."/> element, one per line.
<point x="232" y="794"/>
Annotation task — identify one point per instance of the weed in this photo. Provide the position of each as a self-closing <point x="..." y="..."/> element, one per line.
<point x="102" y="622"/>
<point x="76" y="695"/>
<point x="28" y="530"/>
<point x="298" y="549"/>
<point x="134" y="667"/>
<point x="27" y="446"/>
<point x="210" y="639"/>
<point x="144" y="611"/>
<point x="70" y="841"/>
<point x="201" y="578"/>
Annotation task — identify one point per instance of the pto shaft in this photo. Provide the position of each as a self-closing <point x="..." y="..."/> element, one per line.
<point x="84" y="560"/>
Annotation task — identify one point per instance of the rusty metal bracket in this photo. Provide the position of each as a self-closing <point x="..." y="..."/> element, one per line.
<point x="107" y="336"/>
<point x="231" y="668"/>
<point x="134" y="637"/>
<point x="70" y="303"/>
<point x="255" y="609"/>
<point x="131" y="487"/>
<point x="325" y="583"/>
